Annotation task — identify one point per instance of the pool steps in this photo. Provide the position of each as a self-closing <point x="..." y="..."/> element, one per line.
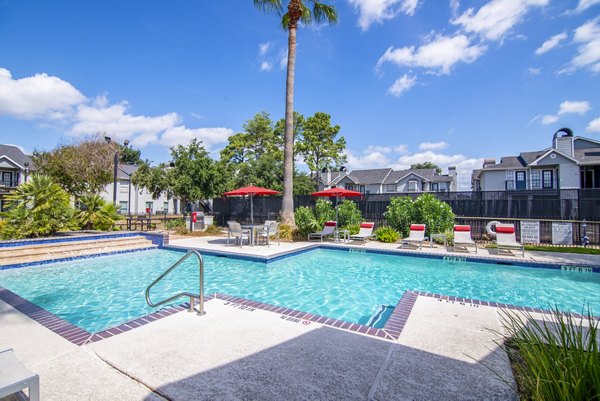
<point x="59" y="250"/>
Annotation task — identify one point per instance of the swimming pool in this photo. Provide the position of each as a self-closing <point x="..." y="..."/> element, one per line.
<point x="103" y="292"/>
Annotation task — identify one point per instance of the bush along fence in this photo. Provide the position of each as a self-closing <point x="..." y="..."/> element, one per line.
<point x="556" y="212"/>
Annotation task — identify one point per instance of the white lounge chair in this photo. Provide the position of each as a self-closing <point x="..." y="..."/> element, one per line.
<point x="416" y="236"/>
<point x="365" y="233"/>
<point x="271" y="229"/>
<point x="507" y="239"/>
<point x="462" y="237"/>
<point x="14" y="377"/>
<point x="328" y="231"/>
<point x="236" y="231"/>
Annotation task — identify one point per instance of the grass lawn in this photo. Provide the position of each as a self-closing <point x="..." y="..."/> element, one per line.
<point x="577" y="249"/>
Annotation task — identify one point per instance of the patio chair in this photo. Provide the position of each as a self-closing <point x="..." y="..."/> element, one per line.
<point x="328" y="231"/>
<point x="271" y="229"/>
<point x="416" y="236"/>
<point x="14" y="377"/>
<point x="365" y="233"/>
<point x="462" y="237"/>
<point x="507" y="239"/>
<point x="235" y="230"/>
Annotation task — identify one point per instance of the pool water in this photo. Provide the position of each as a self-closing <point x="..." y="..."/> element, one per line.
<point x="96" y="294"/>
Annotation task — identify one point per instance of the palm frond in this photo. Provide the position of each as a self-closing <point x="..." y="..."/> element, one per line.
<point x="306" y="15"/>
<point x="324" y="12"/>
<point x="285" y="21"/>
<point x="270" y="6"/>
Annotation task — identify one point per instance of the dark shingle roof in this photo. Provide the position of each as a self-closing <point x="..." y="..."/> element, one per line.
<point x="427" y="173"/>
<point x="371" y="176"/>
<point x="16" y="155"/>
<point x="125" y="170"/>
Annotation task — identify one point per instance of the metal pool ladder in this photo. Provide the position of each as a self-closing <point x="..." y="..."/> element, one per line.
<point x="192" y="297"/>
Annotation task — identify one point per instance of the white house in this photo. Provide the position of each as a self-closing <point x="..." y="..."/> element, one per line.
<point x="137" y="201"/>
<point x="14" y="169"/>
<point x="572" y="162"/>
<point x="386" y="180"/>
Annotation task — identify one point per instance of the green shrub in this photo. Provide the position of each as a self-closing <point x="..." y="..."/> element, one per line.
<point x="399" y="214"/>
<point x="286" y="233"/>
<point x="353" y="229"/>
<point x="305" y="221"/>
<point x="348" y="215"/>
<point x="95" y="213"/>
<point x="212" y="229"/>
<point x="557" y="359"/>
<point x="426" y="209"/>
<point x="37" y="208"/>
<point x="387" y="234"/>
<point x="174" y="223"/>
<point x="323" y="212"/>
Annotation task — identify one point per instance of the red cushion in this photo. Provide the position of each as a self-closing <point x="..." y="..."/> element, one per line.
<point x="330" y="223"/>
<point x="462" y="228"/>
<point x="505" y="230"/>
<point x="417" y="227"/>
<point x="367" y="225"/>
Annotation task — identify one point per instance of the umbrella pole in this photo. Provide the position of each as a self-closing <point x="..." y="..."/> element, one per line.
<point x="251" y="210"/>
<point x="336" y="213"/>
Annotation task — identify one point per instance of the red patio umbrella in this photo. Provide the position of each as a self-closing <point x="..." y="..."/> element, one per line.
<point x="338" y="193"/>
<point x="251" y="191"/>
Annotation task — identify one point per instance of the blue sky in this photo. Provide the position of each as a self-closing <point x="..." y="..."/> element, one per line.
<point x="448" y="81"/>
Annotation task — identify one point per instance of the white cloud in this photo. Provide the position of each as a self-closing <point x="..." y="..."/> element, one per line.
<point x="115" y="121"/>
<point x="433" y="145"/>
<point x="371" y="11"/>
<point x="283" y="58"/>
<point x="567" y="107"/>
<point x="588" y="52"/>
<point x="266" y="66"/>
<point x="401" y="149"/>
<point x="497" y="17"/>
<point x="263" y="48"/>
<point x="585" y="4"/>
<point x="402" y="84"/>
<point x="440" y="54"/>
<point x="551" y="43"/>
<point x="594" y="126"/>
<point x="454" y="5"/>
<point x="534" y="71"/>
<point x="182" y="136"/>
<point x="574" y="107"/>
<point x="367" y="159"/>
<point x="39" y="96"/>
<point x="375" y="148"/>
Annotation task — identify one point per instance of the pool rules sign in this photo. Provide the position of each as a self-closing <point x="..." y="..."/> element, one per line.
<point x="530" y="232"/>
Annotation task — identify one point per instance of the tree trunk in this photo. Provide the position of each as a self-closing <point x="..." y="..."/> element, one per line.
<point x="287" y="205"/>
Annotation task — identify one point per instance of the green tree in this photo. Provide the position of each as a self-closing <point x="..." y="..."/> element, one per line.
<point x="319" y="146"/>
<point x="427" y="165"/>
<point x="303" y="184"/>
<point x="437" y="215"/>
<point x="95" y="213"/>
<point x="399" y="214"/>
<point x="296" y="11"/>
<point x="195" y="176"/>
<point x="129" y="155"/>
<point x="80" y="168"/>
<point x="154" y="179"/>
<point x="37" y="208"/>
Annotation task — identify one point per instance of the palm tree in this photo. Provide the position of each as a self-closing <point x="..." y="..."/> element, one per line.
<point x="296" y="11"/>
<point x="95" y="213"/>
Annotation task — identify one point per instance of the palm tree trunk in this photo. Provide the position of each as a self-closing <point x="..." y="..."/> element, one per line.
<point x="287" y="206"/>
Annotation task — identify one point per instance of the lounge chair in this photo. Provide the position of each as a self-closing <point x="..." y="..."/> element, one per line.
<point x="328" y="231"/>
<point x="271" y="229"/>
<point x="236" y="231"/>
<point x="365" y="233"/>
<point x="462" y="237"/>
<point x="416" y="236"/>
<point x="14" y="377"/>
<point x="507" y="239"/>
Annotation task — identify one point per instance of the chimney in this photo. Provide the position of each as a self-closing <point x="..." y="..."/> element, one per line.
<point x="488" y="162"/>
<point x="452" y="170"/>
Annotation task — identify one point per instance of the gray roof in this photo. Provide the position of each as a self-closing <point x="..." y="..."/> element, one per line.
<point x="126" y="170"/>
<point x="428" y="174"/>
<point x="371" y="176"/>
<point x="588" y="155"/>
<point x="16" y="155"/>
<point x="335" y="175"/>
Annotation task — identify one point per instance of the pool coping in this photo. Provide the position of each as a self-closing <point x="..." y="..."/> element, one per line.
<point x="391" y="330"/>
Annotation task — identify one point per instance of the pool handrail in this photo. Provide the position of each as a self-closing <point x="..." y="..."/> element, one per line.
<point x="192" y="297"/>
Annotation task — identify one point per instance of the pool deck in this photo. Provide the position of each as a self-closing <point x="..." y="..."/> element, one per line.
<point x="447" y="350"/>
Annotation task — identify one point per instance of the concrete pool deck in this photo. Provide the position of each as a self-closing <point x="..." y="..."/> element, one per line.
<point x="447" y="350"/>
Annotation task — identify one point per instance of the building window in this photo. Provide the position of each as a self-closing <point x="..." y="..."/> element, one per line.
<point x="361" y="188"/>
<point x="350" y="187"/>
<point x="510" y="179"/>
<point x="413" y="186"/>
<point x="149" y="207"/>
<point x="547" y="179"/>
<point x="536" y="179"/>
<point x="124" y="186"/>
<point x="520" y="180"/>
<point x="7" y="179"/>
<point x="123" y="207"/>
<point x="435" y="187"/>
<point x="391" y="188"/>
<point x="166" y="207"/>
